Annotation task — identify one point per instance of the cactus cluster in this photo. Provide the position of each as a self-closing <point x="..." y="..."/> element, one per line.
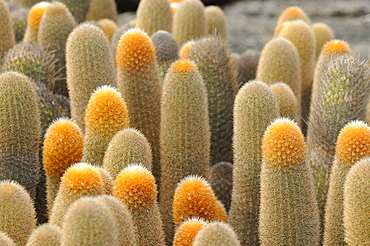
<point x="151" y="130"/>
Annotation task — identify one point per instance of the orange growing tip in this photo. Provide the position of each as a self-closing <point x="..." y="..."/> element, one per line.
<point x="82" y="178"/>
<point x="353" y="143"/>
<point x="106" y="107"/>
<point x="183" y="66"/>
<point x="135" y="50"/>
<point x="35" y="14"/>
<point x="62" y="148"/>
<point x="293" y="11"/>
<point x="185" y="48"/>
<point x="335" y="47"/>
<point x="135" y="186"/>
<point x="194" y="197"/>
<point x="187" y="231"/>
<point x="283" y="144"/>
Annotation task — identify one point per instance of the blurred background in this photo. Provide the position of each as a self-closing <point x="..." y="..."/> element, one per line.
<point x="251" y="23"/>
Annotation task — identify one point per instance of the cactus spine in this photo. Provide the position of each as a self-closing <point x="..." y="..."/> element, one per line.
<point x="288" y="210"/>
<point x="186" y="232"/>
<point x="33" y="21"/>
<point x="17" y="212"/>
<point x="45" y="235"/>
<point x="139" y="83"/>
<point x="194" y="197"/>
<point x="126" y="228"/>
<point x="189" y="21"/>
<point x="166" y="49"/>
<point x="55" y="26"/>
<point x="185" y="133"/>
<point x="288" y="102"/>
<point x="216" y="233"/>
<point x="222" y="182"/>
<point x="154" y="15"/>
<point x="135" y="187"/>
<point x="89" y="65"/>
<point x="279" y="62"/>
<point x="356" y="204"/>
<point x="6" y="31"/>
<point x="323" y="34"/>
<point x="101" y="9"/>
<point x="302" y="36"/>
<point x="213" y="62"/>
<point x="215" y="21"/>
<point x="20" y="131"/>
<point x="126" y="147"/>
<point x="352" y="145"/>
<point x="5" y="240"/>
<point x="255" y="108"/>
<point x="80" y="179"/>
<point x="89" y="221"/>
<point x="109" y="27"/>
<point x="78" y="8"/>
<point x="106" y="114"/>
<point x="290" y="14"/>
<point x="341" y="95"/>
<point x="19" y="19"/>
<point x="246" y="65"/>
<point x="62" y="148"/>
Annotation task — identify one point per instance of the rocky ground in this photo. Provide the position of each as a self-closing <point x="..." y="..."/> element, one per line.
<point x="251" y="23"/>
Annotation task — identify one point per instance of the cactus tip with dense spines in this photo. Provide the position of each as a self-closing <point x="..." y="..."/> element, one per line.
<point x="5" y="240"/>
<point x="18" y="214"/>
<point x="136" y="187"/>
<point x="109" y="27"/>
<point x="126" y="147"/>
<point x="106" y="99"/>
<point x="335" y="46"/>
<point x="356" y="208"/>
<point x="89" y="221"/>
<point x="45" y="235"/>
<point x="353" y="143"/>
<point x="187" y="231"/>
<point x="185" y="48"/>
<point x="35" y="14"/>
<point x="194" y="197"/>
<point x="82" y="176"/>
<point x="135" y="43"/>
<point x="165" y="45"/>
<point x="283" y="144"/>
<point x="62" y="147"/>
<point x="290" y="14"/>
<point x="216" y="233"/>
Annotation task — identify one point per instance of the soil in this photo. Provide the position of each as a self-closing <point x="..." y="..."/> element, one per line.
<point x="251" y="23"/>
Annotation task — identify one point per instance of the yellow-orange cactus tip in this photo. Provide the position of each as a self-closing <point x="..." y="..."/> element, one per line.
<point x="187" y="231"/>
<point x="183" y="66"/>
<point x="63" y="146"/>
<point x="294" y="11"/>
<point x="135" y="50"/>
<point x="185" y="48"/>
<point x="335" y="47"/>
<point x="135" y="186"/>
<point x="35" y="14"/>
<point x="283" y="144"/>
<point x="353" y="143"/>
<point x="106" y="107"/>
<point x="82" y="177"/>
<point x="194" y="197"/>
